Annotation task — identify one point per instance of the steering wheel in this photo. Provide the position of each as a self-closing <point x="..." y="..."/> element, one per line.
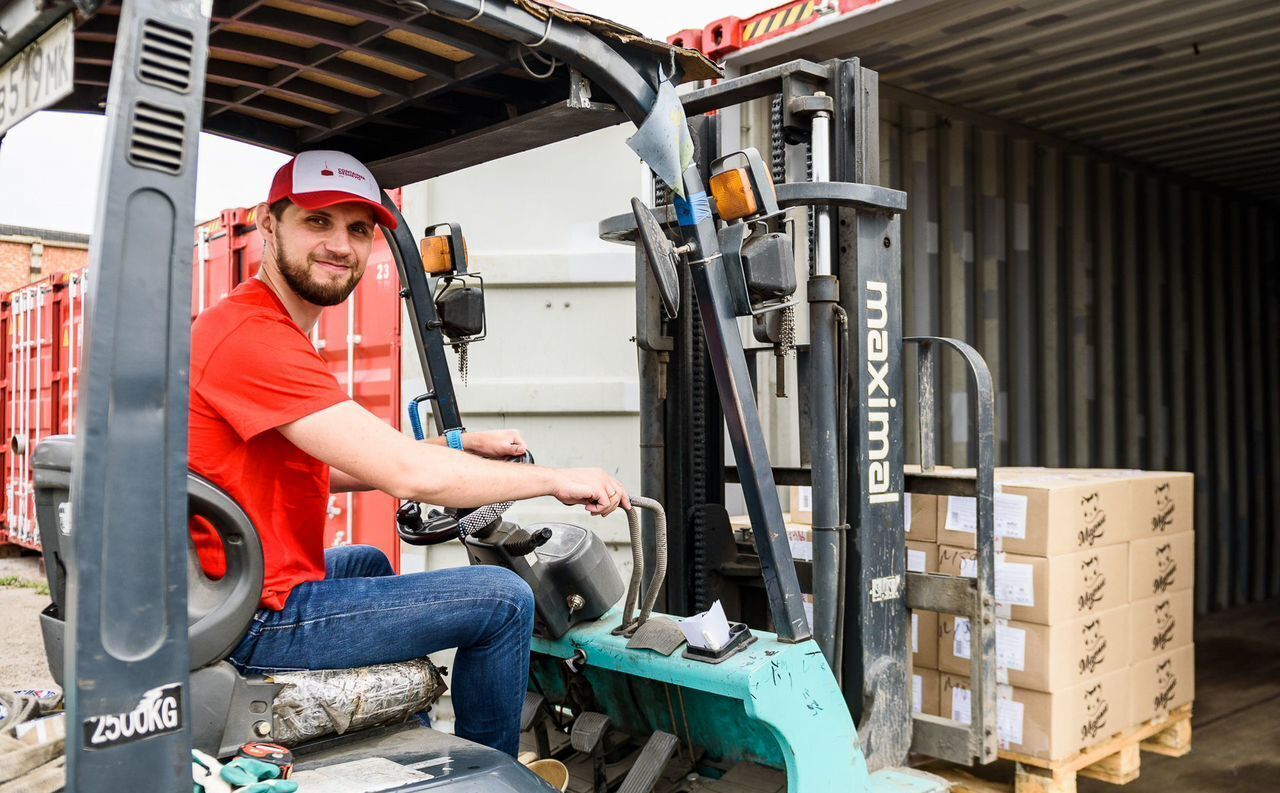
<point x="441" y="526"/>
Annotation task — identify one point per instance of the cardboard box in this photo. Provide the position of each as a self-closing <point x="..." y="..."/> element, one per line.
<point x="1163" y="501"/>
<point x="1045" y="513"/>
<point x="925" y="691"/>
<point x="1050" y="591"/>
<point x="924" y="639"/>
<point x="1162" y="683"/>
<point x="920" y="513"/>
<point x="801" y="505"/>
<point x="1161" y="624"/>
<point x="922" y="557"/>
<point x="1050" y="726"/>
<point x="1159" y="565"/>
<point x="1044" y="658"/>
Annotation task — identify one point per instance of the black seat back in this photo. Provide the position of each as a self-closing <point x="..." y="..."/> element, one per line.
<point x="218" y="610"/>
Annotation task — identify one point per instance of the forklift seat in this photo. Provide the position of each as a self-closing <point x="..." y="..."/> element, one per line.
<point x="228" y="708"/>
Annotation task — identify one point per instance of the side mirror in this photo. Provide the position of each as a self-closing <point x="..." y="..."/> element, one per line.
<point x="661" y="255"/>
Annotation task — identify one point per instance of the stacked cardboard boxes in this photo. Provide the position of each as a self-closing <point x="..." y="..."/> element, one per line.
<point x="1093" y="577"/>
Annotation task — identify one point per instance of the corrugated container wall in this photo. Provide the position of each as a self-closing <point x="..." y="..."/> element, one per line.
<point x="1130" y="319"/>
<point x="359" y="340"/>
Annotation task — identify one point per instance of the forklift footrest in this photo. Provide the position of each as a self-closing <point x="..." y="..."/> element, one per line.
<point x="648" y="767"/>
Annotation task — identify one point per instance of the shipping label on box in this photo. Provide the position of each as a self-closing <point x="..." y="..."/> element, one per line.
<point x="801" y="505"/>
<point x="1163" y="683"/>
<point x="1049" y="726"/>
<point x="800" y="538"/>
<point x="1050" y="591"/>
<point x="1046" y="513"/>
<point x="1161" y="624"/>
<point x="1159" y="565"/>
<point x="1042" y="657"/>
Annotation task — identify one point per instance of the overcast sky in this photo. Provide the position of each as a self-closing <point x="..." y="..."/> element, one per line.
<point x="50" y="163"/>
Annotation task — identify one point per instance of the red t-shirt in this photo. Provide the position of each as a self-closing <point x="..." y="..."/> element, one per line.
<point x="253" y="370"/>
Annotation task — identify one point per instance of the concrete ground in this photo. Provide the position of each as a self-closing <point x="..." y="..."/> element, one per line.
<point x="22" y="663"/>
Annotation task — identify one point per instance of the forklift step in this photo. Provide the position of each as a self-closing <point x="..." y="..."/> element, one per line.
<point x="648" y="767"/>
<point x="588" y="730"/>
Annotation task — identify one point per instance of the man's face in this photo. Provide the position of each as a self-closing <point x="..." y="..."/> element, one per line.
<point x="322" y="253"/>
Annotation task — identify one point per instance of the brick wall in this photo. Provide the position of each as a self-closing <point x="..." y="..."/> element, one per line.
<point x="15" y="259"/>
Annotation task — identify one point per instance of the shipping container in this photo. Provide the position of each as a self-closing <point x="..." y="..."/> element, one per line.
<point x="359" y="341"/>
<point x="1093" y="205"/>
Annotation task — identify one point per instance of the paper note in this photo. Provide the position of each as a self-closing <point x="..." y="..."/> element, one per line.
<point x="917" y="693"/>
<point x="906" y="512"/>
<point x="1011" y="648"/>
<point x="1010" y="514"/>
<point x="960" y="707"/>
<point x="1015" y="581"/>
<point x="915" y="561"/>
<point x="962" y="641"/>
<point x="801" y="542"/>
<point x="807" y="602"/>
<point x="1009" y="722"/>
<point x="708" y="630"/>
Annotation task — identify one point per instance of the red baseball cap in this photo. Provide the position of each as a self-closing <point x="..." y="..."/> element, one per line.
<point x="319" y="179"/>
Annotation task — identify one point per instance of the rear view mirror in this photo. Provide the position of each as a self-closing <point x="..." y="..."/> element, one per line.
<point x="661" y="255"/>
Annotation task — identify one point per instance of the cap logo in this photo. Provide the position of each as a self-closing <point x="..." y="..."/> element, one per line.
<point x="325" y="171"/>
<point x="345" y="172"/>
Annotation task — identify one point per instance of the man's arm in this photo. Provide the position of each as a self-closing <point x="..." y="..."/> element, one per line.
<point x="367" y="450"/>
<point x="494" y="444"/>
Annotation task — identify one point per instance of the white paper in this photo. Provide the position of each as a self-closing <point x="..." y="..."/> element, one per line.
<point x="1015" y="581"/>
<point x="807" y="602"/>
<point x="960" y="708"/>
<point x="1010" y="512"/>
<point x="915" y="561"/>
<point x="359" y="776"/>
<point x="801" y="542"/>
<point x="1011" y="648"/>
<point x="962" y="641"/>
<point x="917" y="693"/>
<point x="915" y="633"/>
<point x="804" y="499"/>
<point x="906" y="511"/>
<point x="708" y="630"/>
<point x="1009" y="714"/>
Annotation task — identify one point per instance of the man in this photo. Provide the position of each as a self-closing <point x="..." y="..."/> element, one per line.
<point x="270" y="425"/>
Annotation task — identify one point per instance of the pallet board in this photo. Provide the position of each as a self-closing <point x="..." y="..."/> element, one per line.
<point x="1116" y="760"/>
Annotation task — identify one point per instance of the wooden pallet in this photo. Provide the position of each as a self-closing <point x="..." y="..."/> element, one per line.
<point x="1116" y="760"/>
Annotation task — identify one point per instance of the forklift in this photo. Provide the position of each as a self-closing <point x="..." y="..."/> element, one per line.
<point x="137" y="634"/>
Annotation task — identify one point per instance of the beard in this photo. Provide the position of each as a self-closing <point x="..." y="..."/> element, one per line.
<point x="321" y="293"/>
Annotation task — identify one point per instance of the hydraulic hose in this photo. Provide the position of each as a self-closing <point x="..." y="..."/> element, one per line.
<point x="842" y="462"/>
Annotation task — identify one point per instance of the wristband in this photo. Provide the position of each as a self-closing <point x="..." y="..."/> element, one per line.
<point x="454" y="439"/>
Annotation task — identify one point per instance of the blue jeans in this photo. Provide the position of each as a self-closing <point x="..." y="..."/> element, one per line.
<point x="363" y="614"/>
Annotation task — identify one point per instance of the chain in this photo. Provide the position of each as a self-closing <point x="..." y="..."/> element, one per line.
<point x="461" y="350"/>
<point x="784" y="346"/>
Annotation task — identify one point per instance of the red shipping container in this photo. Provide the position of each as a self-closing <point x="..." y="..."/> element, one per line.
<point x="359" y="340"/>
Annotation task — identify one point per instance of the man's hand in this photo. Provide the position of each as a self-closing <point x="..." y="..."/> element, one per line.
<point x="494" y="444"/>
<point x="599" y="491"/>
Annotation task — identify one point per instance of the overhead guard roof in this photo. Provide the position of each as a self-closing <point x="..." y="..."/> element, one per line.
<point x="412" y="92"/>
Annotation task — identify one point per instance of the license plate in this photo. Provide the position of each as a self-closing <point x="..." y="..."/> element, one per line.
<point x="38" y="76"/>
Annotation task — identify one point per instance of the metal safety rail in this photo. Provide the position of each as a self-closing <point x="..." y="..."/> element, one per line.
<point x="971" y="598"/>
